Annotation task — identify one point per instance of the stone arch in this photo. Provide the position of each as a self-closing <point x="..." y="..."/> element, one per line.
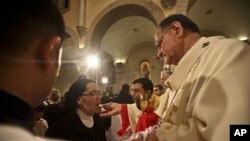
<point x="74" y="36"/>
<point x="183" y="6"/>
<point x="117" y="11"/>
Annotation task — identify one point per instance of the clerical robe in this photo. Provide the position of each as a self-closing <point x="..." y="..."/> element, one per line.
<point x="210" y="90"/>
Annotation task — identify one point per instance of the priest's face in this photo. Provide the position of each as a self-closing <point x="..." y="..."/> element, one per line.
<point x="169" y="43"/>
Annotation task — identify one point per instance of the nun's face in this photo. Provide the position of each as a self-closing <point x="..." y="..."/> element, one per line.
<point x="89" y="102"/>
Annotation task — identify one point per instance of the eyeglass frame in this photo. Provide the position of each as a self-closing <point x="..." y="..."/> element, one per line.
<point x="97" y="93"/>
<point x="135" y="91"/>
<point x="158" y="43"/>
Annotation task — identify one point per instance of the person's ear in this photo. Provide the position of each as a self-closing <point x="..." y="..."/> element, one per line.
<point x="51" y="51"/>
<point x="79" y="100"/>
<point x="177" y="28"/>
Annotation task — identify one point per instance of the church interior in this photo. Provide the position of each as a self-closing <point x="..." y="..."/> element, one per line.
<point x="120" y="34"/>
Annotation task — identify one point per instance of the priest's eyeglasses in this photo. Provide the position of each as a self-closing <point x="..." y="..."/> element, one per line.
<point x="159" y="42"/>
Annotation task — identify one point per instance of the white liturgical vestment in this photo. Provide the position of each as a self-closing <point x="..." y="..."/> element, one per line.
<point x="210" y="89"/>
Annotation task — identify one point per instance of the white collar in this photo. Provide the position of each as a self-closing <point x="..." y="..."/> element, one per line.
<point x="88" y="121"/>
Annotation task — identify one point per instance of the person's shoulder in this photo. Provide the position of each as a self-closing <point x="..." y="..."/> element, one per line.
<point x="234" y="42"/>
<point x="8" y="133"/>
<point x="234" y="46"/>
<point x="13" y="133"/>
<point x="60" y="127"/>
<point x="225" y="46"/>
<point x="63" y="121"/>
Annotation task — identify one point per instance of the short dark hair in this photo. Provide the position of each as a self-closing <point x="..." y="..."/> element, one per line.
<point x="25" y="21"/>
<point x="159" y="86"/>
<point x="146" y="83"/>
<point x="76" y="90"/>
<point x="125" y="87"/>
<point x="186" y="22"/>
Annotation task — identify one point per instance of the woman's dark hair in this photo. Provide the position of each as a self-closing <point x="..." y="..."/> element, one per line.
<point x="76" y="90"/>
<point x="186" y="22"/>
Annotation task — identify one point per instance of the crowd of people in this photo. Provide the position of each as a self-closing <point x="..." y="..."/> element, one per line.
<point x="206" y="93"/>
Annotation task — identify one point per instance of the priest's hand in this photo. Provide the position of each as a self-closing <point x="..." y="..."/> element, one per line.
<point x="110" y="109"/>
